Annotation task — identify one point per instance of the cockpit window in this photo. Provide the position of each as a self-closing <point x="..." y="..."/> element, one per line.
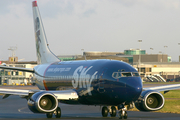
<point x="126" y="74"/>
<point x="135" y="74"/>
<point x="116" y="75"/>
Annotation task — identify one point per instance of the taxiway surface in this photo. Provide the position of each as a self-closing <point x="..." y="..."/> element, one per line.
<point x="15" y="108"/>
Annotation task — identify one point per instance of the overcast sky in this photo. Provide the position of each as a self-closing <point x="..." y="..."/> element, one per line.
<point x="92" y="25"/>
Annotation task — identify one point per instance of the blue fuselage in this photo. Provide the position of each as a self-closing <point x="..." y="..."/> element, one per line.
<point x="97" y="82"/>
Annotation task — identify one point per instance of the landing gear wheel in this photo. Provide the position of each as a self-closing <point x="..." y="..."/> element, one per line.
<point x="104" y="111"/>
<point x="125" y="115"/>
<point x="58" y="112"/>
<point x="122" y="114"/>
<point x="49" y="115"/>
<point x="113" y="111"/>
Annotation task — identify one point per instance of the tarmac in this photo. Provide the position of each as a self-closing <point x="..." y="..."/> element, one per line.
<point x="15" y="108"/>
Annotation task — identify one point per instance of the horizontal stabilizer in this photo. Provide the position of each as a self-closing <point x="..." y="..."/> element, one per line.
<point x="18" y="68"/>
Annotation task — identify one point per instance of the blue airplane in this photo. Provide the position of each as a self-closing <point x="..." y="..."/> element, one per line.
<point x="115" y="85"/>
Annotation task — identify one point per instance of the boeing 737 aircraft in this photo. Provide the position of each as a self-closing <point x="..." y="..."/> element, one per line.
<point x="115" y="85"/>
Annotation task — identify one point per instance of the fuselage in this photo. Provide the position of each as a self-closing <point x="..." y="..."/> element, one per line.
<point x="99" y="82"/>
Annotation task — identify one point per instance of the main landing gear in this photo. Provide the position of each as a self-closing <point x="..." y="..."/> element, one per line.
<point x="57" y="113"/>
<point x="109" y="109"/>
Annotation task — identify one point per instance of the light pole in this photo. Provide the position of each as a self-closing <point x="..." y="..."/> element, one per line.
<point x="83" y="53"/>
<point x="179" y="56"/>
<point x="151" y="50"/>
<point x="139" y="56"/>
<point x="165" y="49"/>
<point x="161" y="56"/>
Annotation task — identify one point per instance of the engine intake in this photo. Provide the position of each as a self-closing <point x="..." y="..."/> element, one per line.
<point x="43" y="102"/>
<point x="150" y="101"/>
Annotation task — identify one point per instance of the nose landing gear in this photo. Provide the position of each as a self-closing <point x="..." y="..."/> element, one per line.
<point x="122" y="112"/>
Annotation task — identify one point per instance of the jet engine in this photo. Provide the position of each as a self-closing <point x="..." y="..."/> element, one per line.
<point x="150" y="100"/>
<point x="43" y="102"/>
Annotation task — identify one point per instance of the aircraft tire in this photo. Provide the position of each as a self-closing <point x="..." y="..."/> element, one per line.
<point x="58" y="112"/>
<point x="113" y="113"/>
<point x="120" y="115"/>
<point x="104" y="111"/>
<point x="49" y="115"/>
<point x="125" y="115"/>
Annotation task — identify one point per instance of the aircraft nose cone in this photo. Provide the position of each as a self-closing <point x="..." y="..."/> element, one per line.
<point x="134" y="88"/>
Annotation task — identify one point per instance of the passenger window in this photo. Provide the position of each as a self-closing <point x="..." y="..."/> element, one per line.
<point x="136" y="74"/>
<point x="128" y="74"/>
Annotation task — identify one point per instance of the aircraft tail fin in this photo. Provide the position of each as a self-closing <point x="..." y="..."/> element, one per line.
<point x="44" y="54"/>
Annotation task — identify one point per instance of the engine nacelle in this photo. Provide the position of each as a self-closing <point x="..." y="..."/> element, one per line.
<point x="43" y="102"/>
<point x="150" y="101"/>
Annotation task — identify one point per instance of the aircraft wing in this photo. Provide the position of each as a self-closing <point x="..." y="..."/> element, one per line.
<point x="15" y="92"/>
<point x="65" y="94"/>
<point x="18" y="68"/>
<point x="164" y="88"/>
<point x="60" y="95"/>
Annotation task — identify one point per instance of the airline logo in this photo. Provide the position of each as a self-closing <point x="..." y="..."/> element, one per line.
<point x="38" y="40"/>
<point x="37" y="26"/>
<point x="82" y="79"/>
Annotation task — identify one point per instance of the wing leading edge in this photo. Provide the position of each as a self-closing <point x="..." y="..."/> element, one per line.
<point x="60" y="95"/>
<point x="164" y="88"/>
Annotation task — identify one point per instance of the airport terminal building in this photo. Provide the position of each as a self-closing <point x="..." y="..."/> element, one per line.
<point x="150" y="66"/>
<point x="147" y="64"/>
<point x="14" y="77"/>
